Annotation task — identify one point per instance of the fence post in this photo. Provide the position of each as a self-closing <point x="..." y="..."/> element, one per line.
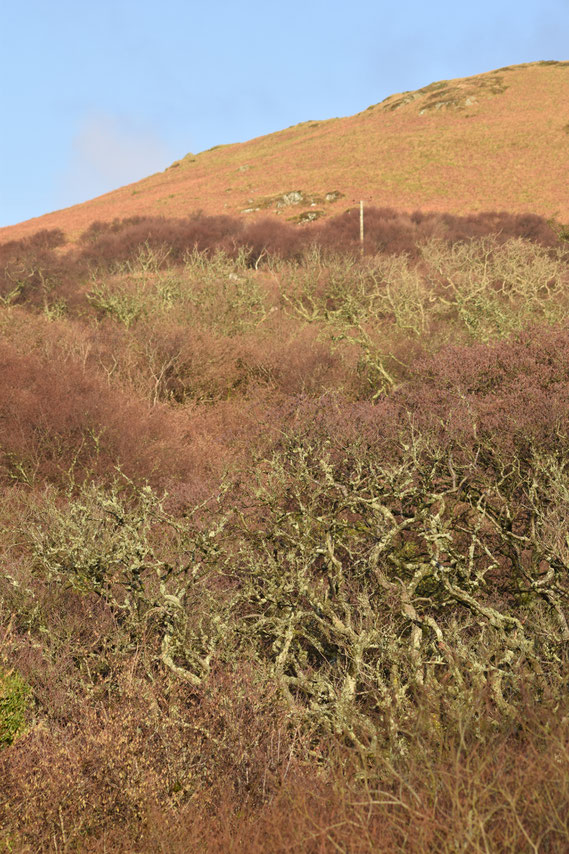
<point x="362" y="227"/>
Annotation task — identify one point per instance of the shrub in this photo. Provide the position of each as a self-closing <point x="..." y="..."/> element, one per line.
<point x="62" y="422"/>
<point x="374" y="588"/>
<point x="387" y="230"/>
<point x="497" y="288"/>
<point x="345" y="626"/>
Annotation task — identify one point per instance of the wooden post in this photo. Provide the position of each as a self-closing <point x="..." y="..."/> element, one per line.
<point x="362" y="227"/>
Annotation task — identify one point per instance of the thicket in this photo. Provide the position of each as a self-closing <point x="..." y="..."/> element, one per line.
<point x="385" y="230"/>
<point x="284" y="543"/>
<point x="32" y="268"/>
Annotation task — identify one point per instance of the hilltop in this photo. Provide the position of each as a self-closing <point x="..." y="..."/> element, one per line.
<point x="493" y="141"/>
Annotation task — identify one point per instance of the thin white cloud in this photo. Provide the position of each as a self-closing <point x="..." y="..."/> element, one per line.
<point x="109" y="151"/>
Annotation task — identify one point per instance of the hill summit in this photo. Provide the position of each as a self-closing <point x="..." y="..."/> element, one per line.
<point x="493" y="141"/>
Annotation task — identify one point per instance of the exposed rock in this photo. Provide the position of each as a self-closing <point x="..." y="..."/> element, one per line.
<point x="442" y="96"/>
<point x="306" y="216"/>
<point x="295" y="197"/>
<point x="292" y="198"/>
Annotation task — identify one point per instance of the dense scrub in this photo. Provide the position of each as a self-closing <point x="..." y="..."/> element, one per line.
<point x="284" y="539"/>
<point x="32" y="269"/>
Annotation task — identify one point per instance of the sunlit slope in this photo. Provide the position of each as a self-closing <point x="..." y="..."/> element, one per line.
<point x="495" y="141"/>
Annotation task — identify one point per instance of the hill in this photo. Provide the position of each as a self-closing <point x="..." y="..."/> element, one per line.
<point x="494" y="141"/>
<point x="283" y="524"/>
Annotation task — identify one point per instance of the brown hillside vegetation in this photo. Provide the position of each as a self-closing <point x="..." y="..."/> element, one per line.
<point x="495" y="141"/>
<point x="283" y="534"/>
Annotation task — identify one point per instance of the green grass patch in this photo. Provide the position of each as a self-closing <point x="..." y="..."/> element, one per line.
<point x="15" y="705"/>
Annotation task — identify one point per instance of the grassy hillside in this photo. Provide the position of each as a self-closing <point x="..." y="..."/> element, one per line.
<point x="283" y="535"/>
<point x="495" y="141"/>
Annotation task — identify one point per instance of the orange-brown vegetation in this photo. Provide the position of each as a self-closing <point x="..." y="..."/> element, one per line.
<point x="283" y="536"/>
<point x="493" y="141"/>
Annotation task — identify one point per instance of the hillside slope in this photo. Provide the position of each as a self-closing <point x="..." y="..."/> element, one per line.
<point x="495" y="141"/>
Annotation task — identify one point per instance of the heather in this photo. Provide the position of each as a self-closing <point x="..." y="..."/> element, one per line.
<point x="284" y="550"/>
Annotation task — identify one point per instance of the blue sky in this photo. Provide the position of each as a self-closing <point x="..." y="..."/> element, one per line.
<point x="95" y="96"/>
